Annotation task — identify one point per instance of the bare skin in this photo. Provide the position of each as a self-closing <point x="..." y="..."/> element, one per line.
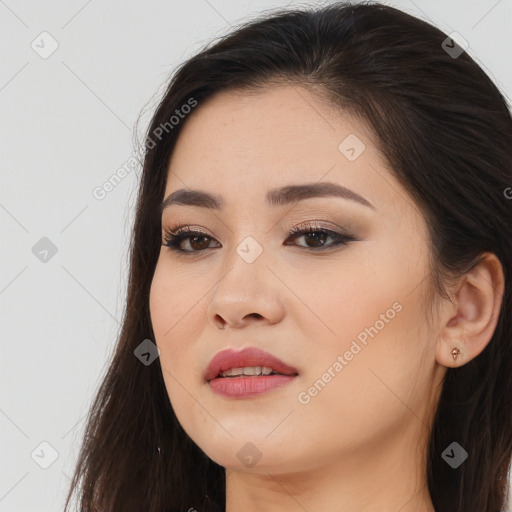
<point x="358" y="443"/>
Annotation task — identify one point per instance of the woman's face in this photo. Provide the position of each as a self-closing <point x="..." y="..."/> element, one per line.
<point x="349" y="317"/>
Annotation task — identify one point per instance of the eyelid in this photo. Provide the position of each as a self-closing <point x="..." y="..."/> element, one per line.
<point x="318" y="225"/>
<point x="310" y="224"/>
<point x="187" y="228"/>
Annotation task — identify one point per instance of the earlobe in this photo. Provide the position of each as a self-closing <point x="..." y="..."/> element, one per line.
<point x="455" y="353"/>
<point x="452" y="351"/>
<point x="470" y="321"/>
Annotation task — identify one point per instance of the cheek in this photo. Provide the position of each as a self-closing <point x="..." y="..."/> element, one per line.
<point x="373" y="296"/>
<point x="340" y="297"/>
<point x="176" y="304"/>
<point x="368" y="388"/>
<point x="372" y="316"/>
<point x="177" y="309"/>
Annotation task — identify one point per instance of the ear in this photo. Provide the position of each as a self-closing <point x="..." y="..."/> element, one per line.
<point x="469" y="322"/>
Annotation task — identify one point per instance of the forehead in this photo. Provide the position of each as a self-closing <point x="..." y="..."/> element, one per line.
<point x="273" y="137"/>
<point x="280" y="120"/>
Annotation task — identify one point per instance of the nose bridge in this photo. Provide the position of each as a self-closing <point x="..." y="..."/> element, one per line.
<point x="247" y="240"/>
<point x="244" y="289"/>
<point x="245" y="266"/>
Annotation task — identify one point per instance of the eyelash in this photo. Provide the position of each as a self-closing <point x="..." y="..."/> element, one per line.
<point x="173" y="238"/>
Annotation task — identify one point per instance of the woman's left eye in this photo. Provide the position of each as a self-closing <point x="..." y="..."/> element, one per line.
<point x="201" y="241"/>
<point x="318" y="238"/>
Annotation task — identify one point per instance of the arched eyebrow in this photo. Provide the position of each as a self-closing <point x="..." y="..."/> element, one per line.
<point x="275" y="197"/>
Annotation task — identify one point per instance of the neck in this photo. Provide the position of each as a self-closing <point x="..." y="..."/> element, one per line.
<point x="386" y="475"/>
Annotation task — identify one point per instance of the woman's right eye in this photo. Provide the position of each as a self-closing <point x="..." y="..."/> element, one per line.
<point x="196" y="240"/>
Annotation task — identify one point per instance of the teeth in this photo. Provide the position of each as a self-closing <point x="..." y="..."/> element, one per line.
<point x="248" y="370"/>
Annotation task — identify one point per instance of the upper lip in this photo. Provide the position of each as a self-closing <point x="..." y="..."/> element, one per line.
<point x="249" y="356"/>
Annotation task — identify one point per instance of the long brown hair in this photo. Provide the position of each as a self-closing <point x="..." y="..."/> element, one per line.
<point x="447" y="132"/>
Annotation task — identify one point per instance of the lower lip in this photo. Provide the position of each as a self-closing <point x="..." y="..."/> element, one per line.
<point x="245" y="387"/>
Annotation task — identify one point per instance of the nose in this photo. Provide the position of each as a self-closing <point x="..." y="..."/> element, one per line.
<point x="246" y="294"/>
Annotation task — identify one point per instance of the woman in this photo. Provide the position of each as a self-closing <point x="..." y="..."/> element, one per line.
<point x="319" y="302"/>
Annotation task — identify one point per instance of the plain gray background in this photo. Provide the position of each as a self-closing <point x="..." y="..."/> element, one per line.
<point x="67" y="122"/>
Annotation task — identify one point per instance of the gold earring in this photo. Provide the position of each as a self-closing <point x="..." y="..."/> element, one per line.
<point x="455" y="353"/>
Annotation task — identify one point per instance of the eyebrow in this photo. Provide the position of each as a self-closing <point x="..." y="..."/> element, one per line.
<point x="276" y="197"/>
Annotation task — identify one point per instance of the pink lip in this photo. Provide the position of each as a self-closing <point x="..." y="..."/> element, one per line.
<point x="249" y="356"/>
<point x="248" y="387"/>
